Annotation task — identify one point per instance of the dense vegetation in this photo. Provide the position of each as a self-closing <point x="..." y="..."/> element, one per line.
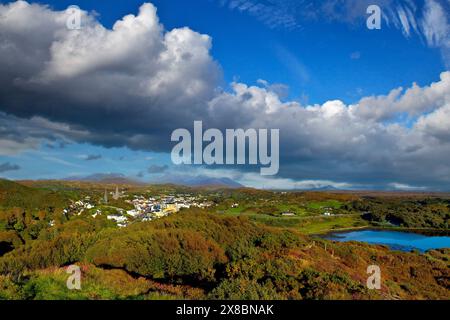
<point x="203" y="254"/>
<point x="417" y="213"/>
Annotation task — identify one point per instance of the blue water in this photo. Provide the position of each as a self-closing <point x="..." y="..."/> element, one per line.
<point x="396" y="240"/>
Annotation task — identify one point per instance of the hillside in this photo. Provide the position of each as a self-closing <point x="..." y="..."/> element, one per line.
<point x="241" y="247"/>
<point x="105" y="178"/>
<point x="202" y="256"/>
<point x="13" y="194"/>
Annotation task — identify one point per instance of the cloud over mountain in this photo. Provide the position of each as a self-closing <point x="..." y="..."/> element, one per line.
<point x="156" y="169"/>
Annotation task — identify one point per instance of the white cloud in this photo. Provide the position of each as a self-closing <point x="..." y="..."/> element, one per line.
<point x="69" y="74"/>
<point x="258" y="181"/>
<point x="255" y="180"/>
<point x="271" y="14"/>
<point x="434" y="24"/>
<point x="355" y="55"/>
<point x="405" y="187"/>
<point x="436" y="28"/>
<point x="436" y="124"/>
<point x="413" y="101"/>
<point x="61" y="161"/>
<point x="10" y="147"/>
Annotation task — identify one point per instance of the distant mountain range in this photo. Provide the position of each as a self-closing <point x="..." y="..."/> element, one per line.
<point x="185" y="180"/>
<point x="113" y="178"/>
<point x="197" y="181"/>
<point x="324" y="188"/>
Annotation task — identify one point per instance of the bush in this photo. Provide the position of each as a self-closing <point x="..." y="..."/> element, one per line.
<point x="159" y="254"/>
<point x="244" y="289"/>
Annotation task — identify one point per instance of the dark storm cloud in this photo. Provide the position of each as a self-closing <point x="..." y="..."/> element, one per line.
<point x="4" y="167"/>
<point x="155" y="169"/>
<point x="140" y="174"/>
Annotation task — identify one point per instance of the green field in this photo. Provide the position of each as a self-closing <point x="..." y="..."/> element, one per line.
<point x="326" y="224"/>
<point x="325" y="204"/>
<point x="307" y="223"/>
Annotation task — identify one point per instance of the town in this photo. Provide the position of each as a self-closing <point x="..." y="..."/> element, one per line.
<point x="145" y="208"/>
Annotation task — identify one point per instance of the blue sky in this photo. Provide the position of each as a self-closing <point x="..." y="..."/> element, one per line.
<point x="248" y="49"/>
<point x="325" y="58"/>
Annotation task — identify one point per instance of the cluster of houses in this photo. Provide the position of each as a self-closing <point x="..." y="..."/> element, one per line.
<point x="328" y="212"/>
<point x="119" y="218"/>
<point x="150" y="208"/>
<point x="78" y="207"/>
<point x="145" y="208"/>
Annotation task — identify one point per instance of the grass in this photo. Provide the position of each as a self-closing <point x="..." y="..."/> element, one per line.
<point x="324" y="204"/>
<point x="235" y="211"/>
<point x="298" y="210"/>
<point x="308" y="219"/>
<point x="281" y="222"/>
<point x="326" y="224"/>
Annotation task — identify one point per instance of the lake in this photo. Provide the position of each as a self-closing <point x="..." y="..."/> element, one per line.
<point x="396" y="240"/>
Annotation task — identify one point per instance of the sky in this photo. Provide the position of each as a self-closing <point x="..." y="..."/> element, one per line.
<point x="356" y="108"/>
